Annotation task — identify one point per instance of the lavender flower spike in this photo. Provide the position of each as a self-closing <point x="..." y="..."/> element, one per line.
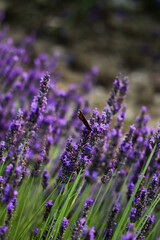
<point x="77" y="231"/>
<point x="146" y="228"/>
<point x="63" y="227"/>
<point x="129" y="236"/>
<point x="91" y="233"/>
<point x="14" y="130"/>
<point x="87" y="207"/>
<point x="48" y="205"/>
<point x="45" y="177"/>
<point x="39" y="103"/>
<point x="2" y="149"/>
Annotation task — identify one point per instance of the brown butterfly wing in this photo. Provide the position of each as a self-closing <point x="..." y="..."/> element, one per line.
<point x="84" y="120"/>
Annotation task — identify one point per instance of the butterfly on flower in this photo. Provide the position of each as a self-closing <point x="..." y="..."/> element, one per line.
<point x="84" y="120"/>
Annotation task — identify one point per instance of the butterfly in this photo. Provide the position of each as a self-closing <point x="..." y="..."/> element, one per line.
<point x="84" y="120"/>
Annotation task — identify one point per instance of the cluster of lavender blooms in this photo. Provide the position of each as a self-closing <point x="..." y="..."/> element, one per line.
<point x="32" y="121"/>
<point x="96" y="150"/>
<point x="35" y="123"/>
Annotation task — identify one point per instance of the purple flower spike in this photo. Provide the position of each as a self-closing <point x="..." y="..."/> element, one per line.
<point x="95" y="70"/>
<point x="111" y="223"/>
<point x="45" y="177"/>
<point x="153" y="187"/>
<point x="90" y="79"/>
<point x="1" y="187"/>
<point x="146" y="228"/>
<point x="138" y="205"/>
<point x="65" y="222"/>
<point x="129" y="236"/>
<point x="87" y="207"/>
<point x="36" y="231"/>
<point x="144" y="109"/>
<point x="48" y="205"/>
<point x="118" y="94"/>
<point x="63" y="227"/>
<point x="10" y="208"/>
<point x="3" y="231"/>
<point x="78" y="229"/>
<point x="2" y="149"/>
<point x="39" y="103"/>
<point x="14" y="130"/>
<point x="91" y="233"/>
<point x="130" y="190"/>
<point x="36" y="171"/>
<point x="126" y="145"/>
<point x="84" y="230"/>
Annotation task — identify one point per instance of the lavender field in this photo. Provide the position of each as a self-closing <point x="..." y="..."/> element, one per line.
<point x="68" y="171"/>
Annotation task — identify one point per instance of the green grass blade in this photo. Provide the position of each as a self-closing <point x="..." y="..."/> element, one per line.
<point x="148" y="213"/>
<point x="80" y="206"/>
<point x="92" y="218"/>
<point x="64" y="208"/>
<point x="20" y="236"/>
<point x="54" y="211"/>
<point x="128" y="207"/>
<point x="22" y="206"/>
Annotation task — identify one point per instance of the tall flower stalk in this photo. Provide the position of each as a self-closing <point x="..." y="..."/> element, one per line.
<point x="66" y="171"/>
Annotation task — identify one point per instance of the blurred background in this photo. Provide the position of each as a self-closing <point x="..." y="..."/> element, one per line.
<point x="114" y="35"/>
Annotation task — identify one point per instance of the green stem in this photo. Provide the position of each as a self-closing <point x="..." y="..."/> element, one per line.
<point x="36" y="213"/>
<point x="127" y="209"/>
<point x="23" y="206"/>
<point x="148" y="213"/>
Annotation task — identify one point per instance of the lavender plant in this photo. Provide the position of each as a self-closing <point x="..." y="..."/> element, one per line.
<point x="63" y="176"/>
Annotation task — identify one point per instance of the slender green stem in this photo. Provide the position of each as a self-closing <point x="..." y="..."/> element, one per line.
<point x="33" y="217"/>
<point x="127" y="209"/>
<point x="53" y="212"/>
<point x="97" y="196"/>
<point x="148" y="213"/>
<point x="23" y="206"/>
<point x="90" y="221"/>
<point x="65" y="206"/>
